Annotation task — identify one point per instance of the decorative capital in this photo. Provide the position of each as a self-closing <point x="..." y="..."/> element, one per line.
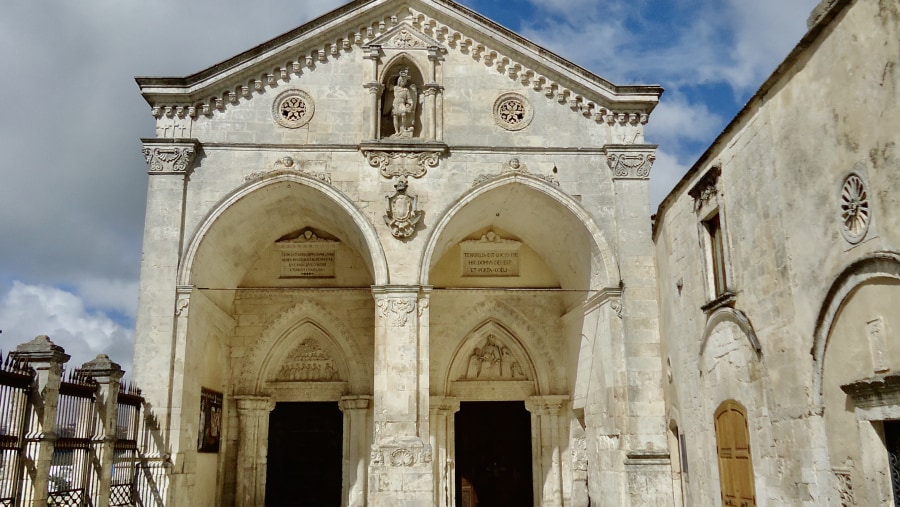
<point x="706" y="190"/>
<point x="170" y="156"/>
<point x="630" y="161"/>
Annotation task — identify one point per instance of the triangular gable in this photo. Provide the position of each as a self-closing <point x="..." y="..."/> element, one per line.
<point x="405" y="37"/>
<point x="363" y="24"/>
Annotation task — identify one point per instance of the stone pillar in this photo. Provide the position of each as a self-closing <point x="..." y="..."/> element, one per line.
<point x="47" y="359"/>
<point x="253" y="442"/>
<point x="400" y="471"/>
<point x="169" y="161"/>
<point x="547" y="446"/>
<point x="432" y="90"/>
<point x="643" y="430"/>
<point x="356" y="440"/>
<point x="107" y="374"/>
<point x="443" y="439"/>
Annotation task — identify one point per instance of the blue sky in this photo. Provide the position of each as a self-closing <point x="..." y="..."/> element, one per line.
<point x="74" y="182"/>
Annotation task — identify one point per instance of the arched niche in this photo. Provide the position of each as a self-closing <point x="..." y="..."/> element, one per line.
<point x="491" y="364"/>
<point x="549" y="221"/>
<point x="230" y="239"/>
<point x="736" y="317"/>
<point x="305" y="328"/>
<point x="413" y="91"/>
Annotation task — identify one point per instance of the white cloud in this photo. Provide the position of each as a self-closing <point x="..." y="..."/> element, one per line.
<point x="27" y="311"/>
<point x="667" y="171"/>
<point x="676" y="120"/>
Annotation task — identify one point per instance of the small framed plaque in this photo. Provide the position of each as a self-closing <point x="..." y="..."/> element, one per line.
<point x="210" y="421"/>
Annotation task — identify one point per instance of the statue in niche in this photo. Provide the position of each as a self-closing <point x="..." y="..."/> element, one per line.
<point x="493" y="362"/>
<point x="403" y="107"/>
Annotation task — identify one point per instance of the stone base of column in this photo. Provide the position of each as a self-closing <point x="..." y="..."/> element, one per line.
<point x="401" y="474"/>
<point x="649" y="478"/>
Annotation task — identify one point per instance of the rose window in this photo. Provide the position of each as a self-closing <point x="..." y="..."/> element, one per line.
<point x="293" y="109"/>
<point x="512" y="111"/>
<point x="855" y="212"/>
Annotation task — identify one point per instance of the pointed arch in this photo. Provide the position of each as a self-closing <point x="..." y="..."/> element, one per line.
<point x="737" y="317"/>
<point x="491" y="332"/>
<point x="274" y="343"/>
<point x="604" y="270"/>
<point x="365" y="241"/>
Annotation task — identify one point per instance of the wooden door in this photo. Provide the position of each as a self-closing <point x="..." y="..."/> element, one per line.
<point x="733" y="449"/>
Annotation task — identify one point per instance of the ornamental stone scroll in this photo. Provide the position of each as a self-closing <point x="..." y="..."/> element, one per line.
<point x="170" y="156"/>
<point x="630" y="161"/>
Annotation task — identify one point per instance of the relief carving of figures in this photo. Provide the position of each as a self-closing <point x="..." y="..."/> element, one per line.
<point x="308" y="363"/>
<point x="493" y="362"/>
<point x="403" y="106"/>
<point x="402" y="215"/>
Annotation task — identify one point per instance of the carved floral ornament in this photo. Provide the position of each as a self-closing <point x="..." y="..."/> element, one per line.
<point x="396" y="310"/>
<point x="293" y="108"/>
<point x="402" y="163"/>
<point x="855" y="214"/>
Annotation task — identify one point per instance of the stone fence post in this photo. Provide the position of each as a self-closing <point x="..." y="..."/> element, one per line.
<point x="108" y="375"/>
<point x="47" y="359"/>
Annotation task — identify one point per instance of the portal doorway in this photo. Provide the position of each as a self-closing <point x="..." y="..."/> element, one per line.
<point x="493" y="455"/>
<point x="305" y="455"/>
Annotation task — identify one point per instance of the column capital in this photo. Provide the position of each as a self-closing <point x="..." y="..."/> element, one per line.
<point x="170" y="156"/>
<point x="546" y="405"/>
<point x="348" y="403"/>
<point x="254" y="403"/>
<point x="445" y="405"/>
<point x="630" y="161"/>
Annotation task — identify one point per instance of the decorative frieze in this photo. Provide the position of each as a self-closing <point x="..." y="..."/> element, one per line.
<point x="630" y="161"/>
<point x="165" y="156"/>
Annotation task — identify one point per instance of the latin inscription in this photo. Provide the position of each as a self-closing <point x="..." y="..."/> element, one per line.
<point x="491" y="263"/>
<point x="297" y="263"/>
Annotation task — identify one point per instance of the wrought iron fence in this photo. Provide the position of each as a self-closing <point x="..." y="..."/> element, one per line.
<point x="59" y="440"/>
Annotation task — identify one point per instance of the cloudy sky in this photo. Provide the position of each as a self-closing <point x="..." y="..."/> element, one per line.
<point x="74" y="182"/>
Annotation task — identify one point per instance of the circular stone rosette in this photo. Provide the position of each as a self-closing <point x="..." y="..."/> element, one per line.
<point x="512" y="111"/>
<point x="293" y="108"/>
<point x="855" y="214"/>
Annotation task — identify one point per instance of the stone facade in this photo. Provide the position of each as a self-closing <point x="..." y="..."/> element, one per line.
<point x="803" y="185"/>
<point x="407" y="213"/>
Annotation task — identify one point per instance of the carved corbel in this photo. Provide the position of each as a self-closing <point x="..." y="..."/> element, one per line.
<point x="631" y="161"/>
<point x="168" y="156"/>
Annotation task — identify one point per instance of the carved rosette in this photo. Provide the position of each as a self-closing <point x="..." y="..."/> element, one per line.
<point x="854" y="209"/>
<point x="402" y="164"/>
<point x="402" y="457"/>
<point x="293" y="108"/>
<point x="402" y="213"/>
<point x="630" y="161"/>
<point x="512" y="111"/>
<point x="167" y="157"/>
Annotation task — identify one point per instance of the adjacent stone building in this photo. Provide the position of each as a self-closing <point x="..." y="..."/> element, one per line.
<point x="401" y="256"/>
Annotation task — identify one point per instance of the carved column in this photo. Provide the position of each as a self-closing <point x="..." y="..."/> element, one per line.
<point x="643" y="428"/>
<point x="169" y="161"/>
<point x="47" y="359"/>
<point x="400" y="471"/>
<point x="253" y="442"/>
<point x="375" y="91"/>
<point x="356" y="440"/>
<point x="107" y="374"/>
<point x="432" y="90"/>
<point x="547" y="445"/>
<point x="443" y="439"/>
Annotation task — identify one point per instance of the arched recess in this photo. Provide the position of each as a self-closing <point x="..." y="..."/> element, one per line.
<point x="276" y="341"/>
<point x="556" y="226"/>
<point x="736" y="317"/>
<point x="387" y="77"/>
<point x="511" y="371"/>
<point x="497" y="316"/>
<point x="239" y="226"/>
<point x="877" y="265"/>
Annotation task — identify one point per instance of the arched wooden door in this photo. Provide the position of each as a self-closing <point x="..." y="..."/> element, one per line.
<point x="733" y="449"/>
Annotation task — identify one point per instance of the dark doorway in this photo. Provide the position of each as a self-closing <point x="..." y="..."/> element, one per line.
<point x="892" y="441"/>
<point x="493" y="454"/>
<point x="305" y="455"/>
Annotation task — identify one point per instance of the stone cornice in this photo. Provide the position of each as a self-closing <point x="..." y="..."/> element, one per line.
<point x="874" y="392"/>
<point x="170" y="156"/>
<point x="630" y="161"/>
<point x="277" y="61"/>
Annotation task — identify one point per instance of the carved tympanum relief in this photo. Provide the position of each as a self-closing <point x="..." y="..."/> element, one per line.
<point x="493" y="361"/>
<point x="512" y="111"/>
<point x="308" y="362"/>
<point x="293" y="108"/>
<point x="854" y="209"/>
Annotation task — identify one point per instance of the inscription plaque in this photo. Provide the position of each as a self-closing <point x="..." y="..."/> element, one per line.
<point x="307" y="256"/>
<point x="490" y="256"/>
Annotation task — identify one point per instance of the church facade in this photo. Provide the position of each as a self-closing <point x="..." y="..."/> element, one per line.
<point x="403" y="256"/>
